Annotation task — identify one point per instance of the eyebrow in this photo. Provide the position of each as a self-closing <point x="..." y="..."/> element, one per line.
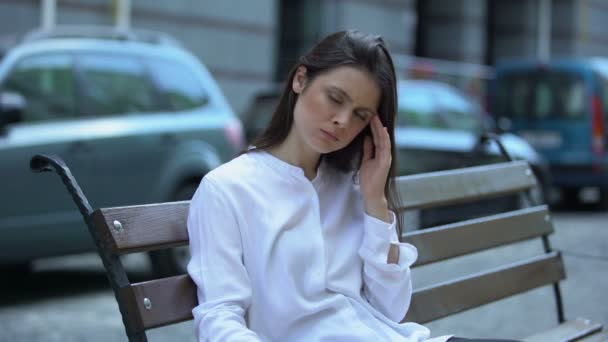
<point x="371" y="112"/>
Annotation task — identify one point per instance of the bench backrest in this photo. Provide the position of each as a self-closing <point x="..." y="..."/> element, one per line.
<point x="169" y="300"/>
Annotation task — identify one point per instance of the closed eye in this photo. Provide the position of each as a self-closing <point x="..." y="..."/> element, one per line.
<point x="335" y="98"/>
<point x="361" y="115"/>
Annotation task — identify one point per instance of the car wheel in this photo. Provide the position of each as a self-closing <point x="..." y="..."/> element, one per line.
<point x="570" y="198"/>
<point x="16" y="272"/>
<point x="603" y="203"/>
<point x="173" y="261"/>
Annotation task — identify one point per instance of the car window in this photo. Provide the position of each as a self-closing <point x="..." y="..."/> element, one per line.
<point x="541" y="94"/>
<point x="177" y="82"/>
<point x="574" y="99"/>
<point x="115" y="84"/>
<point x="417" y="108"/>
<point x="48" y="85"/>
<point x="543" y="104"/>
<point x="459" y="112"/>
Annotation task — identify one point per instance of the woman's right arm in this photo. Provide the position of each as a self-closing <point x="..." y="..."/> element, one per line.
<point x="216" y="266"/>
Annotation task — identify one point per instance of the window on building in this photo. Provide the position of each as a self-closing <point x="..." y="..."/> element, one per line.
<point x="300" y="29"/>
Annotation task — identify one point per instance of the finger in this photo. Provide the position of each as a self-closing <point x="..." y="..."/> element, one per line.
<point x="382" y="149"/>
<point x="381" y="138"/>
<point x="376" y="126"/>
<point x="387" y="143"/>
<point x="387" y="137"/>
<point x="367" y="148"/>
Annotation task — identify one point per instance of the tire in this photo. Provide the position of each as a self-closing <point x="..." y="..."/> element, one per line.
<point x="173" y="261"/>
<point x="570" y="198"/>
<point x="603" y="203"/>
<point x="15" y="273"/>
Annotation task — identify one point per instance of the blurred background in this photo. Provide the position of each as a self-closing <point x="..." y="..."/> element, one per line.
<point x="248" y="45"/>
<point x="142" y="98"/>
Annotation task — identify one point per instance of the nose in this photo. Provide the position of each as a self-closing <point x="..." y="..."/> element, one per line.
<point x="341" y="118"/>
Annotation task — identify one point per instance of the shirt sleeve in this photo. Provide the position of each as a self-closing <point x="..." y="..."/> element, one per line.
<point x="387" y="287"/>
<point x="216" y="266"/>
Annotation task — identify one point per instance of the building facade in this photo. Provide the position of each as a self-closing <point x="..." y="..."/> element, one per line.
<point x="249" y="45"/>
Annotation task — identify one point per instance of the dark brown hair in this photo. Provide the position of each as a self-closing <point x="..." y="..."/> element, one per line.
<point x="346" y="48"/>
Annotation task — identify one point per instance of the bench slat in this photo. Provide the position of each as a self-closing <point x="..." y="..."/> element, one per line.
<point x="172" y="300"/>
<point x="177" y="295"/>
<point x="601" y="337"/>
<point x="469" y="236"/>
<point x="447" y="298"/>
<point x="566" y="332"/>
<point x="463" y="185"/>
<point x="163" y="225"/>
<point x="144" y="227"/>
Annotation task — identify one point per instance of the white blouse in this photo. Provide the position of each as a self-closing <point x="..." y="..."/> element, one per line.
<point x="277" y="257"/>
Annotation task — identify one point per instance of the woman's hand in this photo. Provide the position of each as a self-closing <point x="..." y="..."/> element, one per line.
<point x="374" y="170"/>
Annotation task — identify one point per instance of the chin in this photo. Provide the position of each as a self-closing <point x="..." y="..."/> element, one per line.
<point x="322" y="148"/>
<point x="329" y="149"/>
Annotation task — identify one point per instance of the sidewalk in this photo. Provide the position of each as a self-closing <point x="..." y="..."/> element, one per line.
<point x="577" y="235"/>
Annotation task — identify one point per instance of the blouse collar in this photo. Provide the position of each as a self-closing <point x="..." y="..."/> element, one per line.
<point x="287" y="168"/>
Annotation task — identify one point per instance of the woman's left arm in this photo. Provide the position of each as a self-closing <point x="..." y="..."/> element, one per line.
<point x="387" y="284"/>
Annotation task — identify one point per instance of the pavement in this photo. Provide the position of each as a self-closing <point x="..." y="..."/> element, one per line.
<point x="583" y="239"/>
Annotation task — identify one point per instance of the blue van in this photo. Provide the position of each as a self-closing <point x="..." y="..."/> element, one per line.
<point x="560" y="108"/>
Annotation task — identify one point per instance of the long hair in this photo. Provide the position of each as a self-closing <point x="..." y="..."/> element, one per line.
<point x="345" y="48"/>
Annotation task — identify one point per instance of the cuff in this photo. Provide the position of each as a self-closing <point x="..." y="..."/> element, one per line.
<point x="378" y="236"/>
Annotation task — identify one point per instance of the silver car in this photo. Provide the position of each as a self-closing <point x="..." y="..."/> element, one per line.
<point x="138" y="119"/>
<point x="439" y="127"/>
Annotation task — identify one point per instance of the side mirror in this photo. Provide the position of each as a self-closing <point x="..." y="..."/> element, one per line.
<point x="12" y="107"/>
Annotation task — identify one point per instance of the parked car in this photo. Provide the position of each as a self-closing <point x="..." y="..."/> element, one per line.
<point x="438" y="128"/>
<point x="135" y="115"/>
<point x="561" y="108"/>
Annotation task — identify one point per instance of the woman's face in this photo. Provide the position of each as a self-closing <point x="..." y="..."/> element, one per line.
<point x="333" y="108"/>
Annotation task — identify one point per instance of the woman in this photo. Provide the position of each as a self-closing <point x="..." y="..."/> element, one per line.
<point x="294" y="240"/>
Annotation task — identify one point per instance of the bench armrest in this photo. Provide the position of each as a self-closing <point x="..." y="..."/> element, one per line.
<point x="45" y="163"/>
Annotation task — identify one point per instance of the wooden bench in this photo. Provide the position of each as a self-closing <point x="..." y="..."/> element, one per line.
<point x="161" y="302"/>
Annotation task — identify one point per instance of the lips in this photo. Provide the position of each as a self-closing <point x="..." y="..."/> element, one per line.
<point x="329" y="135"/>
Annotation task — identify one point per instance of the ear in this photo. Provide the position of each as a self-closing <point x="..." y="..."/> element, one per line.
<point x="299" y="80"/>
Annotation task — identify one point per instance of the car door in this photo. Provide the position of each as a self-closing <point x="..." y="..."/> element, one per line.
<point x="37" y="216"/>
<point x="126" y="129"/>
